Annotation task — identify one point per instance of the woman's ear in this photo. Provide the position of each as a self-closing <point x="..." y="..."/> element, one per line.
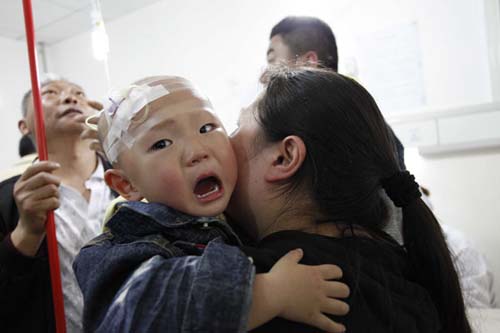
<point x="116" y="179"/>
<point x="288" y="158"/>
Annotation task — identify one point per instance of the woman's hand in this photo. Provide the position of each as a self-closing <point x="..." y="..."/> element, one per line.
<point x="36" y="192"/>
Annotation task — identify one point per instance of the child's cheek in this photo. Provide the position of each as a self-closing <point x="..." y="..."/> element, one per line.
<point x="174" y="183"/>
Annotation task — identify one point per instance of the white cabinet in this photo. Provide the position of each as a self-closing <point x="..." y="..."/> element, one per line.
<point x="449" y="131"/>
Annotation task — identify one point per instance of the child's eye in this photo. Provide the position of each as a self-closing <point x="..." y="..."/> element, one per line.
<point x="161" y="144"/>
<point x="207" y="128"/>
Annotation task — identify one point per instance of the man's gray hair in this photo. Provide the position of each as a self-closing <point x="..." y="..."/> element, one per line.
<point x="46" y="79"/>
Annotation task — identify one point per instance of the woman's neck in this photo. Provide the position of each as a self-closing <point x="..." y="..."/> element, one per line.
<point x="329" y="229"/>
<point x="300" y="217"/>
<point x="309" y="224"/>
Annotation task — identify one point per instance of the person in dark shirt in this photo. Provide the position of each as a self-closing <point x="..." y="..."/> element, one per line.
<point x="314" y="154"/>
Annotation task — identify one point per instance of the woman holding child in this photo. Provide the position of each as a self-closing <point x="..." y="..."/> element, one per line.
<point x="313" y="153"/>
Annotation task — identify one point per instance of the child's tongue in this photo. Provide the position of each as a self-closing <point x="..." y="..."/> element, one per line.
<point x="205" y="186"/>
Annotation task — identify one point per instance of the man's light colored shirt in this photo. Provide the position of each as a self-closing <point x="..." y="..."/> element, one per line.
<point x="77" y="222"/>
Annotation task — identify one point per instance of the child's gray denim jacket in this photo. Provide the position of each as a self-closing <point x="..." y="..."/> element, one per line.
<point x="157" y="270"/>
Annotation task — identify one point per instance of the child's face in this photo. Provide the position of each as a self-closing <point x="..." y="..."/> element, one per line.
<point x="185" y="159"/>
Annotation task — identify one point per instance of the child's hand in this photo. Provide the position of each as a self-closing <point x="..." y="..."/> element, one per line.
<point x="304" y="293"/>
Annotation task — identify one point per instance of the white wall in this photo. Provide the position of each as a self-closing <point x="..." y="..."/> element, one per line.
<point x="221" y="45"/>
<point x="14" y="83"/>
<point x="451" y="41"/>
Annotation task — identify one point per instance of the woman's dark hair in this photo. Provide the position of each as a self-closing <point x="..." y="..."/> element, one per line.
<point x="349" y="153"/>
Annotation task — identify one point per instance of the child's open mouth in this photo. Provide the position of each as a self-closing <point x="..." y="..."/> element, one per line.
<point x="208" y="189"/>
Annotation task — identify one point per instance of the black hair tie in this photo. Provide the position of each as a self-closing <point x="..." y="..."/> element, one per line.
<point x="401" y="188"/>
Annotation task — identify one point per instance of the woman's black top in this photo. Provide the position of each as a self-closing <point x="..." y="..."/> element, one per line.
<point x="383" y="296"/>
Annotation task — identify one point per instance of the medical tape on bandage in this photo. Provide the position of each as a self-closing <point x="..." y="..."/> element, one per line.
<point x="126" y="126"/>
<point x="119" y="115"/>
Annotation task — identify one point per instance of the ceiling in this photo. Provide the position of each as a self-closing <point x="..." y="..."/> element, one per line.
<point x="56" y="20"/>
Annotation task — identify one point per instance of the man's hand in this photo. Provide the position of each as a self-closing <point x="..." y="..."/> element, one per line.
<point x="36" y="192"/>
<point x="306" y="293"/>
<point x="95" y="105"/>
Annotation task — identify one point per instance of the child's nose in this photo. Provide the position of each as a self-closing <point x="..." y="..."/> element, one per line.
<point x="196" y="155"/>
<point x="198" y="158"/>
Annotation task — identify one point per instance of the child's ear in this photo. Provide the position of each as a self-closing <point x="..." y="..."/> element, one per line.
<point x="288" y="157"/>
<point x="116" y="179"/>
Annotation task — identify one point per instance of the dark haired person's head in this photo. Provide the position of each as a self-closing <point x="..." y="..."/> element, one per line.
<point x="318" y="138"/>
<point x="26" y="145"/>
<point x="307" y="39"/>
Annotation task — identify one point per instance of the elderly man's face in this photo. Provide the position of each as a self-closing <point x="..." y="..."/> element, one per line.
<point x="65" y="108"/>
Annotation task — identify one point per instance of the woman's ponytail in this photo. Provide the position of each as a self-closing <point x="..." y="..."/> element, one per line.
<point x="428" y="252"/>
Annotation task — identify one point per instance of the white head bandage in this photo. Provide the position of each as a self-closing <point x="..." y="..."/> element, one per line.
<point x="125" y="108"/>
<point x="125" y="105"/>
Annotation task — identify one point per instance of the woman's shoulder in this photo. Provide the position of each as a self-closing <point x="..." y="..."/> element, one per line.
<point x="346" y="252"/>
<point x="382" y="291"/>
<point x="326" y="248"/>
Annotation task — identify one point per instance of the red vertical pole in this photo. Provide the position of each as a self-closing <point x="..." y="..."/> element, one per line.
<point x="55" y="271"/>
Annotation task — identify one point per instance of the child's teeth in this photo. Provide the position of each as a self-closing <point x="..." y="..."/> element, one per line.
<point x="204" y="195"/>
